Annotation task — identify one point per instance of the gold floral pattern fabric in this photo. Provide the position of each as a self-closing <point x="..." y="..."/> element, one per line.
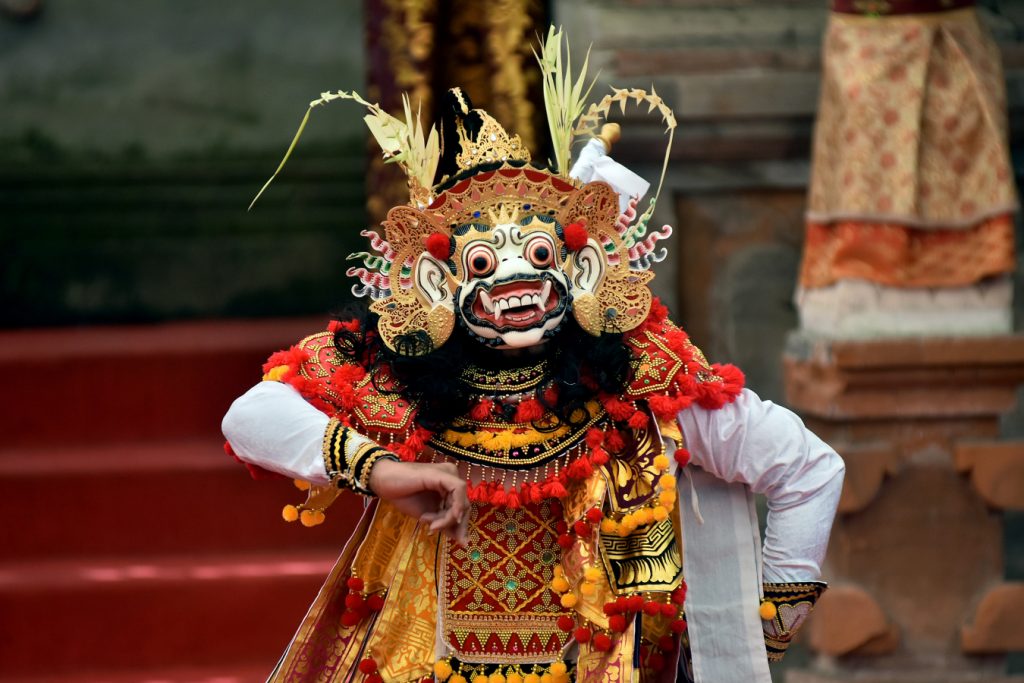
<point x="912" y="184"/>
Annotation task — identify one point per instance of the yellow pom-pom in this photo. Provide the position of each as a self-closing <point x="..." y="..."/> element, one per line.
<point x="496" y="677"/>
<point x="290" y="513"/>
<point x="569" y="600"/>
<point x="308" y="518"/>
<point x="592" y="574"/>
<point x="531" y="678"/>
<point x="275" y="374"/>
<point x="661" y="463"/>
<point x="667" y="481"/>
<point x="458" y="678"/>
<point x="442" y="669"/>
<point x="587" y="589"/>
<point x="559" y="584"/>
<point x="558" y="570"/>
<point x="609" y="525"/>
<point x="513" y="677"/>
<point x="660" y="513"/>
<point x="480" y="678"/>
<point x="667" y="497"/>
<point x="557" y="668"/>
<point x="767" y="610"/>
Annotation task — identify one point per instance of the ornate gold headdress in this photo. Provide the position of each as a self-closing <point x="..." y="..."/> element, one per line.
<point x="479" y="170"/>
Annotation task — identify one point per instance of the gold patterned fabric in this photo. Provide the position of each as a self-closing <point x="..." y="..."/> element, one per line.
<point x="486" y="47"/>
<point x="910" y="141"/>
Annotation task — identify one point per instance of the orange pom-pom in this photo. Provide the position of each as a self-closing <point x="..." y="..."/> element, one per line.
<point x="439" y="245"/>
<point x="575" y="236"/>
<point x="290" y="513"/>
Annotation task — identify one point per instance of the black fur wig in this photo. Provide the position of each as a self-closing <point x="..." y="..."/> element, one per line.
<point x="581" y="366"/>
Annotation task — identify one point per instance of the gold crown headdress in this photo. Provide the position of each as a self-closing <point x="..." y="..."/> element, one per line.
<point x="475" y="169"/>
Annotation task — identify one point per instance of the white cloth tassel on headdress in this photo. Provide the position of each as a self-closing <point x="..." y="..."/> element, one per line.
<point x="595" y="164"/>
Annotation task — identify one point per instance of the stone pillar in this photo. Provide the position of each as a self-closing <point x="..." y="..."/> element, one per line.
<point x="916" y="557"/>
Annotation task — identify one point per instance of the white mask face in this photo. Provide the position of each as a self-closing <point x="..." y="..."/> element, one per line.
<point x="514" y="292"/>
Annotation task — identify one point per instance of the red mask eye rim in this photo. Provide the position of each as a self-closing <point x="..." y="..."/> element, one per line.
<point x="539" y="252"/>
<point x="480" y="261"/>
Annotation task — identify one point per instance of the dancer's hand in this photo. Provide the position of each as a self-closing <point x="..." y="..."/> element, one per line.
<point x="431" y="492"/>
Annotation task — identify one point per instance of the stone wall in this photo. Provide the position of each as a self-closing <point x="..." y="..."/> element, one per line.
<point x="742" y="76"/>
<point x="133" y="137"/>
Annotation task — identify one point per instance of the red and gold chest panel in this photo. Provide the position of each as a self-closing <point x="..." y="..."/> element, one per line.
<point x="497" y="604"/>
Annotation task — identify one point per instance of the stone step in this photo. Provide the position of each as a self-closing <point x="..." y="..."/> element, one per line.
<point x="174" y="497"/>
<point x="74" y="616"/>
<point x="133" y="383"/>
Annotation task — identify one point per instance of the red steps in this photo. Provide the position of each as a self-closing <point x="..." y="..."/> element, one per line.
<point x="135" y="549"/>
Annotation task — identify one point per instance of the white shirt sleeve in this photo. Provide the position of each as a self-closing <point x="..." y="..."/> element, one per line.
<point x="272" y="426"/>
<point x="768" y="448"/>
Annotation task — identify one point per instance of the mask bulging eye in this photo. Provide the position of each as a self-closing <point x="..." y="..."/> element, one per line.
<point x="539" y="252"/>
<point x="480" y="260"/>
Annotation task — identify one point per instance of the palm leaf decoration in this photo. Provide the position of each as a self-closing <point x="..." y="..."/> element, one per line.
<point x="402" y="142"/>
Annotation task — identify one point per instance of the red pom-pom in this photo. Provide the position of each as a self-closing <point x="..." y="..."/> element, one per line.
<point x="594" y="515"/>
<point x="513" y="501"/>
<point x="666" y="643"/>
<point x="679" y="595"/>
<point x="482" y="410"/>
<point x="575" y="236"/>
<point x="602" y="642"/>
<point x="595" y="437"/>
<point x="582" y="635"/>
<point x="439" y="245"/>
<point x="375" y="602"/>
<point x="499" y="497"/>
<point x="682" y="456"/>
<point x="566" y="623"/>
<point x="599" y="457"/>
<point x="529" y="410"/>
<point x="656" y="662"/>
<point x="581" y="528"/>
<point x="565" y="541"/>
<point x="554" y="489"/>
<point x="551" y="395"/>
<point x="622" y="602"/>
<point x="638" y="420"/>
<point x="678" y="625"/>
<point x="617" y="623"/>
<point x="635" y="603"/>
<point x="368" y="666"/>
<point x="614" y="441"/>
<point x="652" y="609"/>
<point x="611" y="608"/>
<point x="355" y="584"/>
<point x="349" y="618"/>
<point x="354" y="601"/>
<point x="668" y="610"/>
<point x="580" y="468"/>
<point x="561" y="527"/>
